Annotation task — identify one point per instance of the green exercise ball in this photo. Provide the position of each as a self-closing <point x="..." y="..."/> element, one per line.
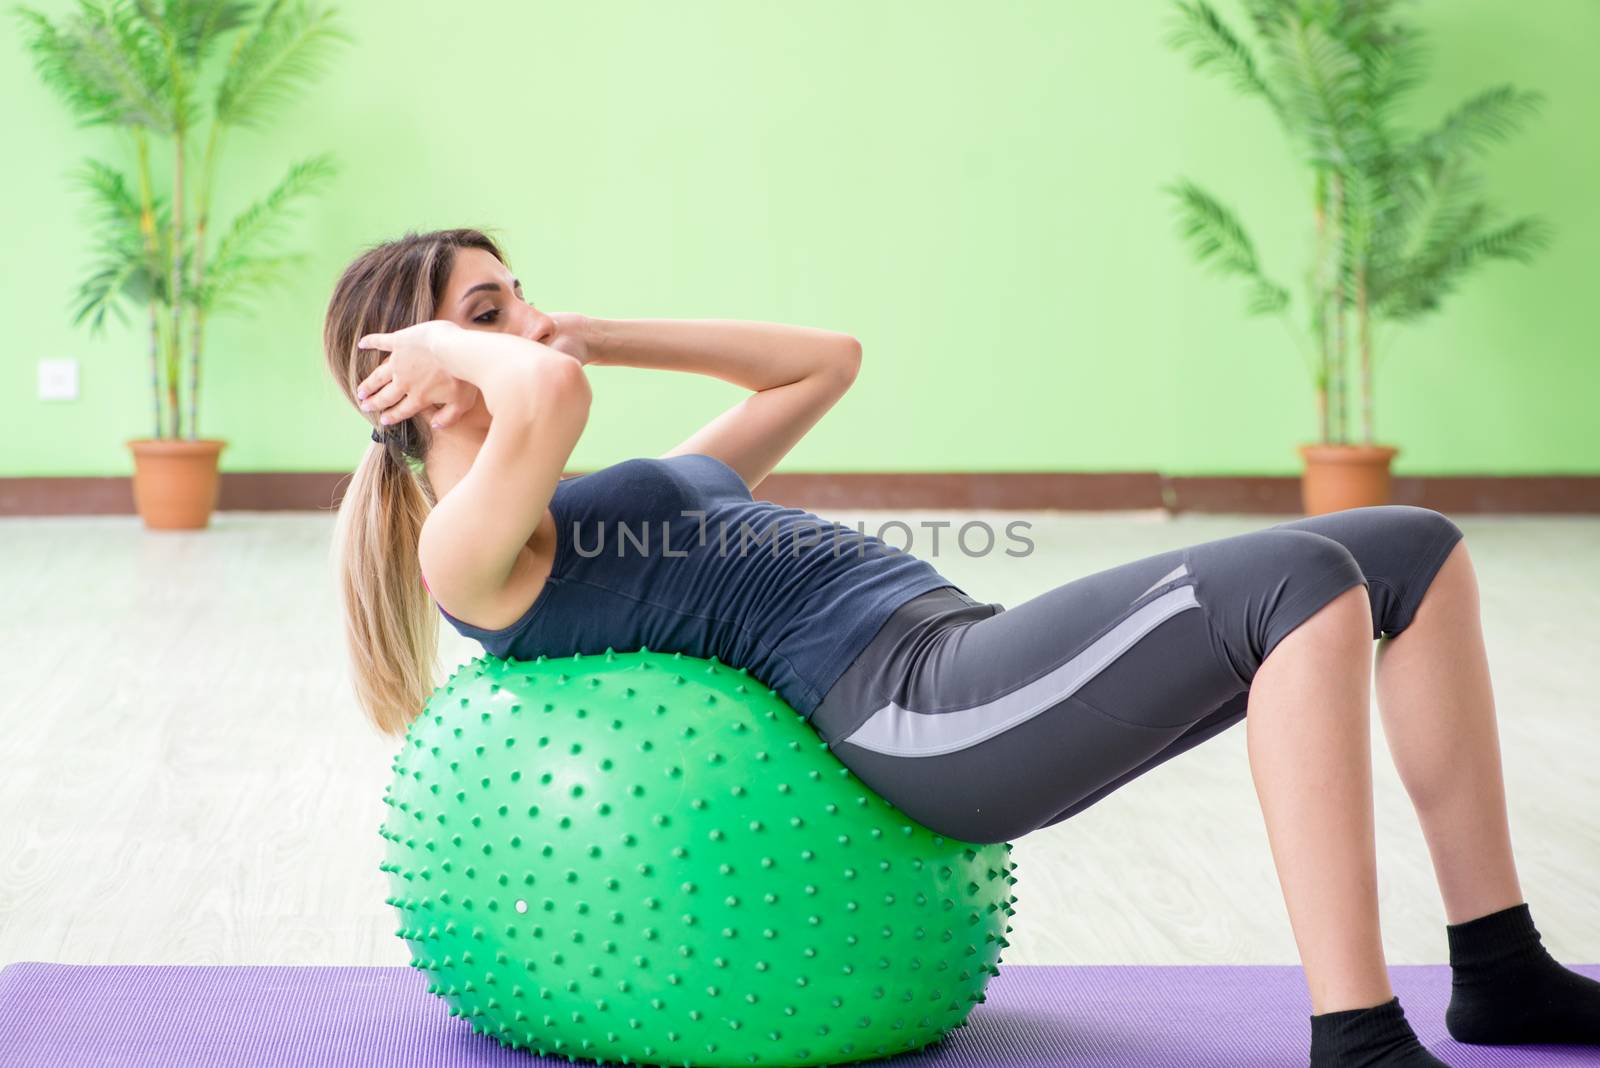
<point x="651" y="858"/>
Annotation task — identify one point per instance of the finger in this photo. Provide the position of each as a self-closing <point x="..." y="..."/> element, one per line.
<point x="374" y="381"/>
<point x="407" y="407"/>
<point x="445" y="416"/>
<point x="387" y="395"/>
<point x="376" y="341"/>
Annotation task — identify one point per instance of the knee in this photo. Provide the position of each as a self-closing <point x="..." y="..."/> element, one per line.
<point x="1317" y="571"/>
<point x="1422" y="528"/>
<point x="1425" y="538"/>
<point x="1305" y="555"/>
<point x="1276" y="580"/>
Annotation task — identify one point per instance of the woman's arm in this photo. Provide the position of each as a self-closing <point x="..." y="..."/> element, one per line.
<point x="475" y="538"/>
<point x="795" y="374"/>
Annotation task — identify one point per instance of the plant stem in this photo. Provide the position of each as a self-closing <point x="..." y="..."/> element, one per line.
<point x="147" y="230"/>
<point x="1336" y="355"/>
<point x="175" y="341"/>
<point x="175" y="337"/>
<point x="202" y="215"/>
<point x="1364" y="333"/>
<point x="1318" y="306"/>
<point x="1322" y="408"/>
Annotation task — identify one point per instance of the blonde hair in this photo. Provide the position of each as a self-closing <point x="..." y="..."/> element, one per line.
<point x="391" y="626"/>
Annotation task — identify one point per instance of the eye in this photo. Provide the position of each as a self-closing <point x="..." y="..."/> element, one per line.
<point x="485" y="317"/>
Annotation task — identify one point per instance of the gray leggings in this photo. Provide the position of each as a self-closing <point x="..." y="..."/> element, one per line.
<point x="984" y="723"/>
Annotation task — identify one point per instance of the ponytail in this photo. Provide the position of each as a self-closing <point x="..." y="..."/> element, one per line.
<point x="390" y="626"/>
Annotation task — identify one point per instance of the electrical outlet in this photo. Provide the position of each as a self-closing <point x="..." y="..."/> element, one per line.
<point x="58" y="379"/>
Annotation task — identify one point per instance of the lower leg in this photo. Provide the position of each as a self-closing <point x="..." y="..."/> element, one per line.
<point x="1437" y="708"/>
<point x="1308" y="729"/>
<point x="1438" y="714"/>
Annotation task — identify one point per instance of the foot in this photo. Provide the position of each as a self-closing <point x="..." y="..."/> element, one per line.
<point x="1375" y="1037"/>
<point x="1507" y="990"/>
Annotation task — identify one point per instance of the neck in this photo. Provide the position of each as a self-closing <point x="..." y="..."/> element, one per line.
<point x="451" y="454"/>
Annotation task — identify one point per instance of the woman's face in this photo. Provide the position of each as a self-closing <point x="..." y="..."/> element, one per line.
<point x="482" y="295"/>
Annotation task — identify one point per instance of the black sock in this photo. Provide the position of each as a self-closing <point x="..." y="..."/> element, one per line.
<point x="1506" y="989"/>
<point x="1376" y="1037"/>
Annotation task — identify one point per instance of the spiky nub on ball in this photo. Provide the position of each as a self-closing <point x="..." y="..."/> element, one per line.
<point x="650" y="858"/>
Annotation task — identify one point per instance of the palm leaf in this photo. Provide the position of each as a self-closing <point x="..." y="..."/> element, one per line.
<point x="1426" y="281"/>
<point x="1364" y="23"/>
<point x="1425" y="286"/>
<point x="1211" y="43"/>
<point x="1268" y="15"/>
<point x="1321" y="85"/>
<point x="1393" y="64"/>
<point x="123" y="268"/>
<point x="248" y="277"/>
<point x="1491" y="116"/>
<point x="56" y="59"/>
<point x="114" y="206"/>
<point x="196" y="25"/>
<point x="187" y="30"/>
<point x="1266" y="298"/>
<point x="1519" y="240"/>
<point x="289" y="45"/>
<point x="1385" y="201"/>
<point x="244" y="259"/>
<point x="105" y="63"/>
<point x="1449" y="204"/>
<point x="1217" y="238"/>
<point x="119" y="273"/>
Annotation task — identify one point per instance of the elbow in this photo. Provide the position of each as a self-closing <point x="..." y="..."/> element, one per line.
<point x="561" y="388"/>
<point x="571" y="381"/>
<point x="571" y="389"/>
<point x="844" y="363"/>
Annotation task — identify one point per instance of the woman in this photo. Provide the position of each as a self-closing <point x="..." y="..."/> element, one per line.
<point x="983" y="723"/>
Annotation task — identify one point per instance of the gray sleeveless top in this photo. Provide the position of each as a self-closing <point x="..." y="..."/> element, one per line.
<point x="676" y="556"/>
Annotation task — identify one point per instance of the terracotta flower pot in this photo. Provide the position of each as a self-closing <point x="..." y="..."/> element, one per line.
<point x="175" y="481"/>
<point x="1344" y="476"/>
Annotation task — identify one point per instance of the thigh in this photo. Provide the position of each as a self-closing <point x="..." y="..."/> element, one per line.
<point x="991" y="727"/>
<point x="994" y="770"/>
<point x="988" y="728"/>
<point x="1398" y="548"/>
<point x="1208" y="726"/>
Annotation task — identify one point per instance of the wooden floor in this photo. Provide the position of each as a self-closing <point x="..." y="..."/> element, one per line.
<point x="184" y="777"/>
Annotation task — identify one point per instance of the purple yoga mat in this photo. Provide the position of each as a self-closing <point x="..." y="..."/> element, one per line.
<point x="1105" y="1016"/>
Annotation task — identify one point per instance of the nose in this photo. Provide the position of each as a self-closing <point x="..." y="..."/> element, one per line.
<point x="539" y="327"/>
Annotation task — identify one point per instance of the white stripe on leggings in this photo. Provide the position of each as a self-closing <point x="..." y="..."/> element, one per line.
<point x="1177" y="572"/>
<point x="898" y="731"/>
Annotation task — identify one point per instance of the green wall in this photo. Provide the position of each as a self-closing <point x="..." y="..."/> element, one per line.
<point x="971" y="189"/>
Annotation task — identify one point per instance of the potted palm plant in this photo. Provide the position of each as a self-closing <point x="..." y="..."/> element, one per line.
<point x="137" y="65"/>
<point x="1397" y="218"/>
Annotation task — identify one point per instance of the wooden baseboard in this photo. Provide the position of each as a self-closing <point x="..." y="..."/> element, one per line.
<point x="823" y="492"/>
<point x="1451" y="494"/>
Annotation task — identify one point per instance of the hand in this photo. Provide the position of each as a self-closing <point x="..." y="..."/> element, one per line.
<point x="573" y="334"/>
<point x="412" y="378"/>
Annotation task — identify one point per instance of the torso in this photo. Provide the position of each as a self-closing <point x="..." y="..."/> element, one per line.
<point x="705" y="569"/>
